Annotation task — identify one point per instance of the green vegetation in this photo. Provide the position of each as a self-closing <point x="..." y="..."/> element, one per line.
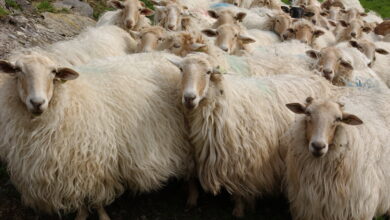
<point x="12" y="4"/>
<point x="148" y="3"/>
<point x="3" y="12"/>
<point x="45" y="6"/>
<point x="380" y="6"/>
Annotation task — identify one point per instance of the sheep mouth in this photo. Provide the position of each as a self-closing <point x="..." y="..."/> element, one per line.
<point x="37" y="112"/>
<point x="189" y="105"/>
<point x="317" y="154"/>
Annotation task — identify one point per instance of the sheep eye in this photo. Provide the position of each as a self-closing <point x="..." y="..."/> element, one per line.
<point x="308" y="113"/>
<point x="181" y="69"/>
<point x="160" y="39"/>
<point x="176" y="46"/>
<point x="209" y="72"/>
<point x="277" y="20"/>
<point x="54" y="71"/>
<point x="338" y="119"/>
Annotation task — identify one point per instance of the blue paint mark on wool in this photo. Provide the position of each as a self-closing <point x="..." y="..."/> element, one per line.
<point x="220" y="5"/>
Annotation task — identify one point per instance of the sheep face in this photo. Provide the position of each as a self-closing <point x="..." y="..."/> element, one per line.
<point x="183" y="43"/>
<point x="171" y="17"/>
<point x="354" y="29"/>
<point x="229" y="38"/>
<point x="281" y="23"/>
<point x="331" y="64"/>
<point x="305" y="33"/>
<point x="36" y="77"/>
<point x="131" y="11"/>
<point x="196" y="76"/>
<point x="322" y="120"/>
<point x="226" y="16"/>
<point x="368" y="48"/>
<point x="150" y="39"/>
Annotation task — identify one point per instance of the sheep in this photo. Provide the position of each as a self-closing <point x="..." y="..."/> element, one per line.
<point x="150" y="38"/>
<point x="130" y="15"/>
<point x="314" y="36"/>
<point x="170" y="16"/>
<point x="314" y="15"/>
<point x="280" y="25"/>
<point x="226" y="16"/>
<point x="346" y="66"/>
<point x="232" y="38"/>
<point x="353" y="30"/>
<point x="78" y="145"/>
<point x="293" y="11"/>
<point x="352" y="4"/>
<point x="235" y="123"/>
<point x="240" y="3"/>
<point x="338" y="162"/>
<point x="93" y="43"/>
<point x="380" y="64"/>
<point x="333" y="10"/>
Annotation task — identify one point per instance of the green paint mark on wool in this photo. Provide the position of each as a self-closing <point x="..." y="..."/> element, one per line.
<point x="238" y="65"/>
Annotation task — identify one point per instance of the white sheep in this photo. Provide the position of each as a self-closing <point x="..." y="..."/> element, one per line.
<point x="338" y="160"/>
<point x="93" y="43"/>
<point x="235" y="124"/>
<point x="74" y="144"/>
<point x="130" y="15"/>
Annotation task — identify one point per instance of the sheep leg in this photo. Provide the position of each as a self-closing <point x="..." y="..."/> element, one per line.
<point x="102" y="213"/>
<point x="239" y="206"/>
<point x="193" y="194"/>
<point x="82" y="214"/>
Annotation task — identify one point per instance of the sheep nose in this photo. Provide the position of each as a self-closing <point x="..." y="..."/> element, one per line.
<point x="327" y="73"/>
<point x="171" y="27"/>
<point x="189" y="98"/>
<point x="314" y="22"/>
<point x="129" y="24"/>
<point x="37" y="102"/>
<point x="224" y="48"/>
<point x="318" y="146"/>
<point x="353" y="34"/>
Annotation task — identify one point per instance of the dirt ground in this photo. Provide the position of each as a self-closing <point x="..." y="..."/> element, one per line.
<point x="166" y="204"/>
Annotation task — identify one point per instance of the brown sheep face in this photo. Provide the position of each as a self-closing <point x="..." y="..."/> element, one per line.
<point x="331" y="65"/>
<point x="226" y="16"/>
<point x="171" y="16"/>
<point x="149" y="39"/>
<point x="281" y="23"/>
<point x="36" y="77"/>
<point x="322" y="119"/>
<point x="354" y="29"/>
<point x="196" y="76"/>
<point x="229" y="38"/>
<point x="305" y="33"/>
<point x="369" y="49"/>
<point x="131" y="11"/>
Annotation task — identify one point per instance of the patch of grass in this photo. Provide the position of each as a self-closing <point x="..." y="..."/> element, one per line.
<point x="3" y="12"/>
<point x="12" y="4"/>
<point x="148" y="4"/>
<point x="45" y="6"/>
<point x="380" y="6"/>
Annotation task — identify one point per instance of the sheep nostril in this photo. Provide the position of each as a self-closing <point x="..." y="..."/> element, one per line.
<point x="189" y="98"/>
<point x="353" y="34"/>
<point x="318" y="146"/>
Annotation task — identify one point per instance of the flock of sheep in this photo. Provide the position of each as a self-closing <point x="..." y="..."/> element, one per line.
<point x="208" y="93"/>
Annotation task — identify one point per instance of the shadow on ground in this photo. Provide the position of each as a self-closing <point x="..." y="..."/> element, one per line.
<point x="166" y="204"/>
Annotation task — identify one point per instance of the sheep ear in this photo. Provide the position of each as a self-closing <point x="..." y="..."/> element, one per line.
<point x="147" y="12"/>
<point x="367" y="29"/>
<point x="318" y="33"/>
<point x="175" y="61"/>
<point x="8" y="67"/>
<point x="346" y="64"/>
<point x="117" y="4"/>
<point x="355" y="44"/>
<point x="297" y="108"/>
<point x="343" y="23"/>
<point x="309" y="14"/>
<point x="246" y="39"/>
<point x="66" y="74"/>
<point x="363" y="14"/>
<point x="240" y="16"/>
<point x="324" y="13"/>
<point x="313" y="54"/>
<point x="210" y="32"/>
<point x="381" y="51"/>
<point x="198" y="46"/>
<point x="285" y="9"/>
<point x="351" y="119"/>
<point x="213" y="14"/>
<point x="334" y="24"/>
